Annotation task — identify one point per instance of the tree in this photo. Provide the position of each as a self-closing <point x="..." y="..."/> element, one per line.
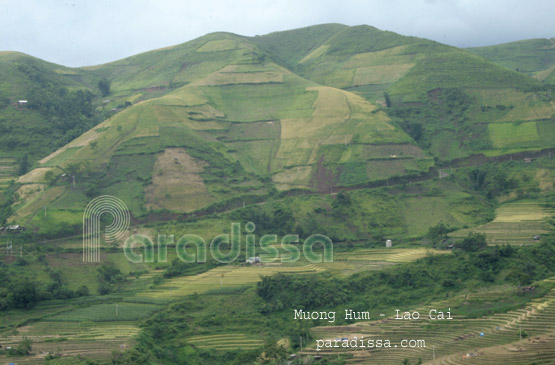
<point x="104" y="87"/>
<point x="473" y="242"/>
<point x="24" y="165"/>
<point x="49" y="178"/>
<point x="83" y="291"/>
<point x="23" y="348"/>
<point x="22" y="293"/>
<point x="387" y="99"/>
<point x="438" y="232"/>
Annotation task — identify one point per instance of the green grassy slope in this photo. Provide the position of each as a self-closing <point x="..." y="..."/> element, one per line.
<point x="291" y="46"/>
<point x="224" y="118"/>
<point x="535" y="57"/>
<point x="237" y="125"/>
<point x="416" y="73"/>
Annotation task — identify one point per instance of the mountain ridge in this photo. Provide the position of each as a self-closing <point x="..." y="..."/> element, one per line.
<point x="349" y="106"/>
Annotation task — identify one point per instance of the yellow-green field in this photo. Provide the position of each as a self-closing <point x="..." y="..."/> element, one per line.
<point x="220" y="277"/>
<point x="515" y="223"/>
<point x="92" y="340"/>
<point x="227" y="341"/>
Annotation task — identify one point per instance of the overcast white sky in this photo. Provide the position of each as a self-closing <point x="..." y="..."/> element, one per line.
<point x="81" y="33"/>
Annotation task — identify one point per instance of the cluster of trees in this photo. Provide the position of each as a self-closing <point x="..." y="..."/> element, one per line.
<point x="442" y="108"/>
<point x="6" y="201"/>
<point x="279" y="220"/>
<point x="20" y="291"/>
<point x="282" y="291"/>
<point x="180" y="268"/>
<point x="104" y="87"/>
<point x="70" y="112"/>
<point x="58" y="114"/>
<point x="491" y="180"/>
<point x="23" y="348"/>
<point x="109" y="276"/>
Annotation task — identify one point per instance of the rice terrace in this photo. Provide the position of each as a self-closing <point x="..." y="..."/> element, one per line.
<point x="325" y="169"/>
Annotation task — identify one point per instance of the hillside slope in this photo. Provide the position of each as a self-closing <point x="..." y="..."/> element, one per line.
<point x="43" y="106"/>
<point x="247" y="127"/>
<point x="448" y="99"/>
<point x="225" y="119"/>
<point x="535" y="57"/>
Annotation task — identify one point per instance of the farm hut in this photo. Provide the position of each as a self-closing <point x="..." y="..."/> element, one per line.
<point x="14" y="228"/>
<point x="388" y="243"/>
<point x="253" y="260"/>
<point x="526" y="289"/>
<point x="22" y="102"/>
<point x="537" y="237"/>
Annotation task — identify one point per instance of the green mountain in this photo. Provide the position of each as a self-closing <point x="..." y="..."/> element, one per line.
<point x="225" y="119"/>
<point x="234" y="126"/>
<point x="535" y="57"/>
<point x="452" y="102"/>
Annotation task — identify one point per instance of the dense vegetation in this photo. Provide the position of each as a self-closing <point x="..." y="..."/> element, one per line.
<point x="58" y="109"/>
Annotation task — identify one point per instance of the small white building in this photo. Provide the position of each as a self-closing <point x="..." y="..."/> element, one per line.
<point x="388" y="243"/>
<point x="22" y="102"/>
<point x="253" y="260"/>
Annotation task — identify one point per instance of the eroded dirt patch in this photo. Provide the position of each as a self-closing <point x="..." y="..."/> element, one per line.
<point x="176" y="182"/>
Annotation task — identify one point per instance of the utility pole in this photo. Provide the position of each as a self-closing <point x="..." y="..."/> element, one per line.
<point x="301" y="337"/>
<point x="434" y="353"/>
<point x="116" y="311"/>
<point x="73" y="181"/>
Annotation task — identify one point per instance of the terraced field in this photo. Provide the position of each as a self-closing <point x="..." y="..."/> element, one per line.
<point x="227" y="341"/>
<point x="8" y="171"/>
<point x="230" y="277"/>
<point x="108" y="312"/>
<point x="218" y="278"/>
<point x="393" y="255"/>
<point x="515" y="223"/>
<point x="452" y="341"/>
<point x="95" y="341"/>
